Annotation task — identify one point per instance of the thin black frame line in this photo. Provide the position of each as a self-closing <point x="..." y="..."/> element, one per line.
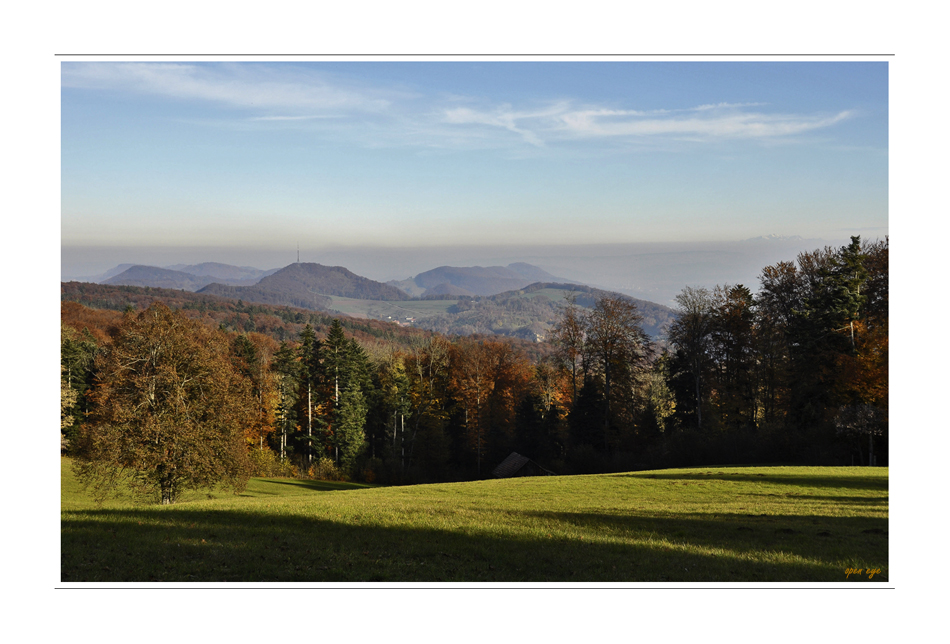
<point x="855" y="587"/>
<point x="588" y="55"/>
<point x="839" y="55"/>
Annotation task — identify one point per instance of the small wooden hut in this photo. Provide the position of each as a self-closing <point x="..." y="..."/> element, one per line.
<point x="518" y="465"/>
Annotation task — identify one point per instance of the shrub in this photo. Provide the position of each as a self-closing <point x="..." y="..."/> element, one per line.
<point x="326" y="470"/>
<point x="265" y="463"/>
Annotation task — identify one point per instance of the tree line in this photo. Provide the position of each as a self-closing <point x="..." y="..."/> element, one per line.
<point x="795" y="373"/>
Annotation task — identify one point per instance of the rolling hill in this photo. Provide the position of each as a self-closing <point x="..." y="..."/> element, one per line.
<point x="525" y="312"/>
<point x="474" y="280"/>
<point x="308" y="286"/>
<point x="225" y="273"/>
<point x="99" y="306"/>
<point x="181" y="276"/>
<point x="158" y="278"/>
<point x="530" y="312"/>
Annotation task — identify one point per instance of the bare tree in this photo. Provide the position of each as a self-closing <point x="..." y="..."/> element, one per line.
<point x="617" y="345"/>
<point x="568" y="338"/>
<point x="690" y="335"/>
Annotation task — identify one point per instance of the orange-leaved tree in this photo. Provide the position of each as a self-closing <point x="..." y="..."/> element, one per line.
<point x="170" y="409"/>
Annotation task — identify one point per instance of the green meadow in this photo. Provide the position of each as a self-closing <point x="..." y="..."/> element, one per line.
<point x="713" y="524"/>
<point x="380" y="310"/>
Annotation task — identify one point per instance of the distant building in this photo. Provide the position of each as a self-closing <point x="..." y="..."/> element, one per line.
<point x="518" y="465"/>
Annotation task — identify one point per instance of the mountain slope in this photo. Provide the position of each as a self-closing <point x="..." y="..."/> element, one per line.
<point x="280" y="322"/>
<point x="307" y="286"/>
<point x="530" y="312"/>
<point x="474" y="280"/>
<point x="158" y="278"/>
<point x="536" y="274"/>
<point x="225" y="273"/>
<point x="181" y="276"/>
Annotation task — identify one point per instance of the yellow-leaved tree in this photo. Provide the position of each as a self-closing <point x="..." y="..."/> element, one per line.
<point x="170" y="409"/>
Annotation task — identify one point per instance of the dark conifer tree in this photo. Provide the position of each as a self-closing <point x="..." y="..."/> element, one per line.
<point x="287" y="369"/>
<point x="586" y="419"/>
<point x="311" y="421"/>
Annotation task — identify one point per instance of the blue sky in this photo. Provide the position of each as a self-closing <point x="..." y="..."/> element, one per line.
<point x="409" y="154"/>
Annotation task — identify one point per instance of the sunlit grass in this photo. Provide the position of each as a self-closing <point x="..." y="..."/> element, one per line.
<point x="399" y="310"/>
<point x="707" y="524"/>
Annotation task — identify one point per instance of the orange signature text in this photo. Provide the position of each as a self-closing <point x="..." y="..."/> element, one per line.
<point x="870" y="572"/>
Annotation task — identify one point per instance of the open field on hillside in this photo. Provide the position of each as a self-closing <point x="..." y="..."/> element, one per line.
<point x="751" y="524"/>
<point x="379" y="310"/>
<point x="420" y="309"/>
<point x="553" y="294"/>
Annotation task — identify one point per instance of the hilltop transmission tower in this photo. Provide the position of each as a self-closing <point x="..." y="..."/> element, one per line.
<point x="298" y="252"/>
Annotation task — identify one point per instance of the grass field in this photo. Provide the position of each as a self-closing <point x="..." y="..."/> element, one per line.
<point x="379" y="310"/>
<point x="751" y="524"/>
<point x="553" y="294"/>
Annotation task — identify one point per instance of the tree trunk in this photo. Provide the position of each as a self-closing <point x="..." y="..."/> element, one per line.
<point x="478" y="432"/>
<point x="606" y="408"/>
<point x="699" y="406"/>
<point x="167" y="497"/>
<point x="573" y="381"/>
<point x="309" y="426"/>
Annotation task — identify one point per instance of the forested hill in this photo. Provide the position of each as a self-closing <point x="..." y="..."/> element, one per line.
<point x="278" y="322"/>
<point x="99" y="307"/>
<point x="474" y="280"/>
<point x="160" y="278"/>
<point x="185" y="277"/>
<point x="305" y="285"/>
<point x="530" y="312"/>
<point x="225" y="272"/>
<point x="656" y="317"/>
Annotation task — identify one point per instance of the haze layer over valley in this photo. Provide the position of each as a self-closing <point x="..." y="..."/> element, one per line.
<point x="519" y="300"/>
<point x="655" y="271"/>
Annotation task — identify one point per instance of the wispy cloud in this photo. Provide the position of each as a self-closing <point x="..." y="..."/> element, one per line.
<point x="719" y="106"/>
<point x="505" y="117"/>
<point x="308" y="117"/>
<point x="705" y="122"/>
<point x="726" y="125"/>
<point x="298" y="96"/>
<point x="255" y="87"/>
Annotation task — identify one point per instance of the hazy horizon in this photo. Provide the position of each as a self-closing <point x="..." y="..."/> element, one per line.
<point x="654" y="271"/>
<point x="394" y="168"/>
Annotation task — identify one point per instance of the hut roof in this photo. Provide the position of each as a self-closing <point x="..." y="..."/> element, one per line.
<point x="514" y="462"/>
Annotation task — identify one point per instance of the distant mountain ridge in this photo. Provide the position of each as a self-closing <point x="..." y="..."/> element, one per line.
<point x="158" y="278"/>
<point x="224" y="271"/>
<point x="526" y="308"/>
<point x="181" y="276"/>
<point x="307" y="286"/>
<point x="474" y="280"/>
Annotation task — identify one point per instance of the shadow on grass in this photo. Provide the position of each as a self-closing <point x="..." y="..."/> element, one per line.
<point x="857" y="481"/>
<point x="196" y="545"/>
<point x="841" y="500"/>
<point x="259" y="486"/>
<point x="825" y="538"/>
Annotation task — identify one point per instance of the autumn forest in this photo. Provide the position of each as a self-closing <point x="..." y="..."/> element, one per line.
<point x="179" y="392"/>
